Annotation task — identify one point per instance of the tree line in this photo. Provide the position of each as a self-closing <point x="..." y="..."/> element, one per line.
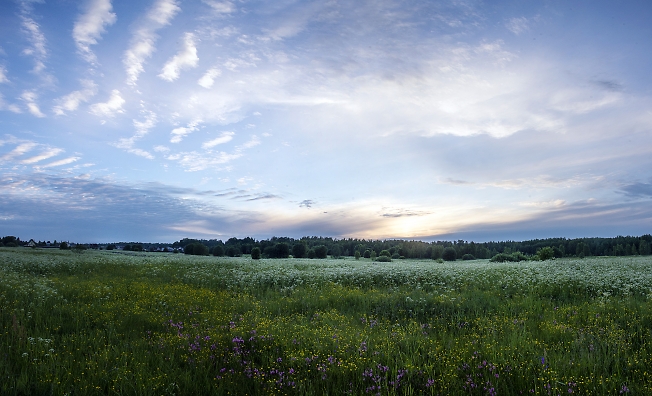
<point x="321" y="247"/>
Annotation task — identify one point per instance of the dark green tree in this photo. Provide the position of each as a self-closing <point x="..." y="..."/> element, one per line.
<point x="218" y="250"/>
<point x="255" y="253"/>
<point x="321" y="252"/>
<point x="282" y="250"/>
<point x="449" y="254"/>
<point x="546" y="253"/>
<point x="437" y="252"/>
<point x="196" y="249"/>
<point x="299" y="250"/>
<point x="233" y="251"/>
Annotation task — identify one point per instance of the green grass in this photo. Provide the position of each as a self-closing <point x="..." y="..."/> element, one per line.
<point x="153" y="324"/>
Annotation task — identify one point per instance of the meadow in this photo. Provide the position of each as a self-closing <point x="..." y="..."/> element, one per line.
<point x="103" y="323"/>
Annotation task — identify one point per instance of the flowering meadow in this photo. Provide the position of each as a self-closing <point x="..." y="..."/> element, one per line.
<point x="103" y="323"/>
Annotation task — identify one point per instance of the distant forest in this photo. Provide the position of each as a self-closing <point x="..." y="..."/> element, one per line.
<point x="319" y="247"/>
<point x="283" y="246"/>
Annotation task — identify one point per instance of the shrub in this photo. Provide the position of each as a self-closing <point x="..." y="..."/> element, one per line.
<point x="357" y="255"/>
<point x="233" y="251"/>
<point x="280" y="250"/>
<point x="385" y="253"/>
<point x="518" y="256"/>
<point x="546" y="253"/>
<point x="468" y="257"/>
<point x="218" y="250"/>
<point x="449" y="254"/>
<point x="299" y="250"/>
<point x="373" y="255"/>
<point x="558" y="253"/>
<point x="437" y="252"/>
<point x="195" y="248"/>
<point x="255" y="253"/>
<point x="321" y="251"/>
<point x="383" y="259"/>
<point x="311" y="253"/>
<point x="396" y="256"/>
<point x="367" y="253"/>
<point x="503" y="257"/>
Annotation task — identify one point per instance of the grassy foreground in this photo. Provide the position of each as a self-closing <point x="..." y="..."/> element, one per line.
<point x="114" y="324"/>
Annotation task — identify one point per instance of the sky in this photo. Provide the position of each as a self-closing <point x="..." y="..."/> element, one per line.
<point x="156" y="120"/>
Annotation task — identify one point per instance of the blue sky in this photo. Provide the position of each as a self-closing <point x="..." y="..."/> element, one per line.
<point x="154" y="120"/>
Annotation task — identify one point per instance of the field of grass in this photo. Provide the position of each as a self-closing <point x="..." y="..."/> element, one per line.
<point x="162" y="324"/>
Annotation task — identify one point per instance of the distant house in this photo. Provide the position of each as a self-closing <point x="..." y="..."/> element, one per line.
<point x="31" y="243"/>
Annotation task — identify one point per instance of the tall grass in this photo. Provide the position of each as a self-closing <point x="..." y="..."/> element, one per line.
<point x="152" y="324"/>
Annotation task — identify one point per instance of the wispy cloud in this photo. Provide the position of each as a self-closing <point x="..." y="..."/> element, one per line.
<point x="306" y="203"/>
<point x="224" y="138"/>
<point x="3" y="75"/>
<point x="208" y="79"/>
<point x="109" y="108"/>
<point x="194" y="161"/>
<point x="61" y="162"/>
<point x="518" y="25"/>
<point x="37" y="48"/>
<point x="142" y="129"/>
<point x="18" y="151"/>
<point x="72" y="101"/>
<point x="49" y="153"/>
<point x="179" y="133"/>
<point x="220" y="7"/>
<point x="30" y="97"/>
<point x="252" y="142"/>
<point x="142" y="47"/>
<point x="402" y="212"/>
<point x="185" y="58"/>
<point x="90" y="25"/>
<point x="260" y="197"/>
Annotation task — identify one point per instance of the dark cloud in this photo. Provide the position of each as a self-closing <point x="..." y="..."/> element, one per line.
<point x="92" y="209"/>
<point x="609" y="85"/>
<point x="404" y="213"/>
<point x="638" y="190"/>
<point x="456" y="182"/>
<point x="264" y="196"/>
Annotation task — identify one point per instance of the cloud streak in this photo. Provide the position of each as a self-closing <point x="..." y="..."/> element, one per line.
<point x="72" y="101"/>
<point x="142" y="129"/>
<point x="179" y="133"/>
<point x="184" y="59"/>
<point x="109" y="108"/>
<point x="144" y="39"/>
<point x="90" y="26"/>
<point x="225" y="137"/>
<point x="30" y="97"/>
